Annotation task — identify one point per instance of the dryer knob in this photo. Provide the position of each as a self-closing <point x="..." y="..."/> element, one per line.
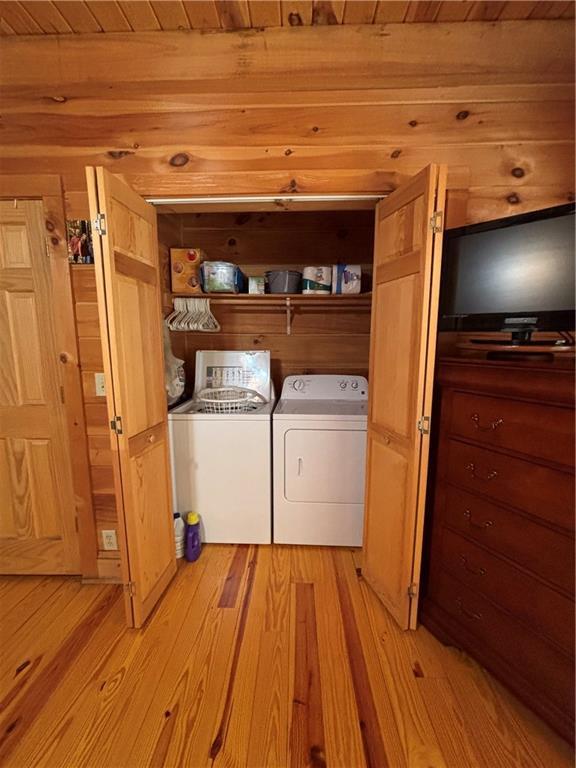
<point x="298" y="385"/>
<point x="343" y="385"/>
<point x="354" y="385"/>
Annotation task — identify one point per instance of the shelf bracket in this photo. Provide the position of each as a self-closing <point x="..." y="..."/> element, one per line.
<point x="288" y="317"/>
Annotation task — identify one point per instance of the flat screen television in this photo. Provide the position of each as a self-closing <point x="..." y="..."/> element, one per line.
<point x="514" y="274"/>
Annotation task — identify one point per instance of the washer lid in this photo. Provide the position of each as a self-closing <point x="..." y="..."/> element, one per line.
<point x="334" y="408"/>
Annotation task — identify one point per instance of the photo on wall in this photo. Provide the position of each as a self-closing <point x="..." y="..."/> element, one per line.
<point x="79" y="239"/>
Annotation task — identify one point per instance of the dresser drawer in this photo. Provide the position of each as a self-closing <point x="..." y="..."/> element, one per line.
<point x="548" y="553"/>
<point x="543" y="431"/>
<point x="526" y="654"/>
<point x="542" y="491"/>
<point x="542" y="608"/>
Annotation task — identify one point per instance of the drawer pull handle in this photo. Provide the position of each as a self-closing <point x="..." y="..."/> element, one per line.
<point x="482" y="526"/>
<point x="471" y="467"/>
<point x="473" y="571"/>
<point x="467" y="613"/>
<point x="490" y="428"/>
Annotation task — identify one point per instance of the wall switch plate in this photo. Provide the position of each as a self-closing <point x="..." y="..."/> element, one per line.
<point x="100" y="385"/>
<point x="109" y="540"/>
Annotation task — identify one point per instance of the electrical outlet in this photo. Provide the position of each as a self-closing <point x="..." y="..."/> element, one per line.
<point x="100" y="385"/>
<point x="109" y="540"/>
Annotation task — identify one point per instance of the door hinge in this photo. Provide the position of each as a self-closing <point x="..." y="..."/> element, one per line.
<point x="99" y="224"/>
<point x="116" y="425"/>
<point x="130" y="588"/>
<point x="424" y="425"/>
<point x="436" y="221"/>
<point x="413" y="589"/>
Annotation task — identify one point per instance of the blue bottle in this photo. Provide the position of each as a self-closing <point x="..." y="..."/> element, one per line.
<point x="193" y="544"/>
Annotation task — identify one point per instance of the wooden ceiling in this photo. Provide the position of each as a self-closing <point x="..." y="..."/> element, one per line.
<point x="42" y="17"/>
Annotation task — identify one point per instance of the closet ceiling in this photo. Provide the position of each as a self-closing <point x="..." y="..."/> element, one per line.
<point x="40" y="17"/>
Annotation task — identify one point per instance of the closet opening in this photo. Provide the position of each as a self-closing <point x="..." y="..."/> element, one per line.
<point x="306" y="334"/>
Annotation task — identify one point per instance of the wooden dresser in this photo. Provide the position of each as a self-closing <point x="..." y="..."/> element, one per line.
<point x="500" y="531"/>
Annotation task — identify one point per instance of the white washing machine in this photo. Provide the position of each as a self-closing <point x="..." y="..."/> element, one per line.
<point x="319" y="450"/>
<point x="221" y="462"/>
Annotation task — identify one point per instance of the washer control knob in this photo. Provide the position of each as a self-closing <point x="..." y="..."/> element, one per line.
<point x="343" y="384"/>
<point x="298" y="385"/>
<point x="354" y="385"/>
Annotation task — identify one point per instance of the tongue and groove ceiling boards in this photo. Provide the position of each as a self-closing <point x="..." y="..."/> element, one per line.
<point x="224" y="109"/>
<point x="39" y="17"/>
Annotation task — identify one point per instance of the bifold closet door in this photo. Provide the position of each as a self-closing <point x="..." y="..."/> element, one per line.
<point x="129" y="283"/>
<point x="407" y="256"/>
<point x="38" y="524"/>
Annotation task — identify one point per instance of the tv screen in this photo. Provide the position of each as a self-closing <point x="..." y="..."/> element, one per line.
<point x="520" y="267"/>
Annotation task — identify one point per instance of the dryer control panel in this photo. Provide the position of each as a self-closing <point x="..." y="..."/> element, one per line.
<point x="325" y="387"/>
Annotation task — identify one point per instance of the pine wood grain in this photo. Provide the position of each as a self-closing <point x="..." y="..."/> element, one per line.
<point x="97" y="694"/>
<point x="307" y="739"/>
<point x="212" y="14"/>
<point x="380" y="109"/>
<point x="95" y="408"/>
<point x="44" y="489"/>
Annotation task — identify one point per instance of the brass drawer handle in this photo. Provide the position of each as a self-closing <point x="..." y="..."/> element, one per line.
<point x="469" y="614"/>
<point x="490" y="428"/>
<point x="482" y="526"/>
<point x="473" y="571"/>
<point x="471" y="467"/>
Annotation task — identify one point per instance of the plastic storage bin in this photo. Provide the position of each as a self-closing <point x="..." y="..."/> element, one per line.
<point x="221" y="277"/>
<point x="284" y="281"/>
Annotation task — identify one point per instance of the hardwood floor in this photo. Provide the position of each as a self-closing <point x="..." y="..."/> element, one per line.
<point x="256" y="656"/>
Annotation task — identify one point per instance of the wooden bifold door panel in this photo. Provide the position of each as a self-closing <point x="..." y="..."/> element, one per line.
<point x="38" y="526"/>
<point x="129" y="304"/>
<point x="407" y="256"/>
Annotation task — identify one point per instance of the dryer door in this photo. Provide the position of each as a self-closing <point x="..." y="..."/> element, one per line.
<point x="324" y="465"/>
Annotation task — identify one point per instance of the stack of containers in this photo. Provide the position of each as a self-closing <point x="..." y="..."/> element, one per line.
<point x="317" y="280"/>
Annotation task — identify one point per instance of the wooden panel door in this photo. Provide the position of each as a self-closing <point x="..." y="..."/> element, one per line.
<point x="38" y="526"/>
<point x="129" y="305"/>
<point x="407" y="255"/>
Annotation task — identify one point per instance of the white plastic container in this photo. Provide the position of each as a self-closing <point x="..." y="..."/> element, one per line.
<point x="346" y="278"/>
<point x="179" y="534"/>
<point x="317" y="280"/>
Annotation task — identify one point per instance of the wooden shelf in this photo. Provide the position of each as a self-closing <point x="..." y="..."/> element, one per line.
<point x="290" y="303"/>
<point x="295" y="299"/>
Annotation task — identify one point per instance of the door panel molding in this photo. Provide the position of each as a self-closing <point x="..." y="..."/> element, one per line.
<point x="128" y="266"/>
<point x="407" y="255"/>
<point x="48" y="188"/>
<point x="129" y="306"/>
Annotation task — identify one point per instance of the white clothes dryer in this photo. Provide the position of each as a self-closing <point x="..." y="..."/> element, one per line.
<point x="319" y="456"/>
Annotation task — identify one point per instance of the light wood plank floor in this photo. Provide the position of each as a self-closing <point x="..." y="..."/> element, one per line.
<point x="256" y="656"/>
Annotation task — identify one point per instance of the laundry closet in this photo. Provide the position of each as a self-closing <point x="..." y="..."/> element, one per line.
<point x="386" y="333"/>
<point x="222" y="459"/>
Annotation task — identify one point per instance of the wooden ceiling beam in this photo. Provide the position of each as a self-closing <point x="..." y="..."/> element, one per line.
<point x="405" y="56"/>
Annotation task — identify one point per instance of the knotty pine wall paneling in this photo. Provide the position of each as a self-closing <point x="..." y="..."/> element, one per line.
<point x="305" y="109"/>
<point x="97" y="427"/>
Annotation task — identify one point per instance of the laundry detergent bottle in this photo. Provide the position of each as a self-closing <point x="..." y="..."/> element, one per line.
<point x="193" y="545"/>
